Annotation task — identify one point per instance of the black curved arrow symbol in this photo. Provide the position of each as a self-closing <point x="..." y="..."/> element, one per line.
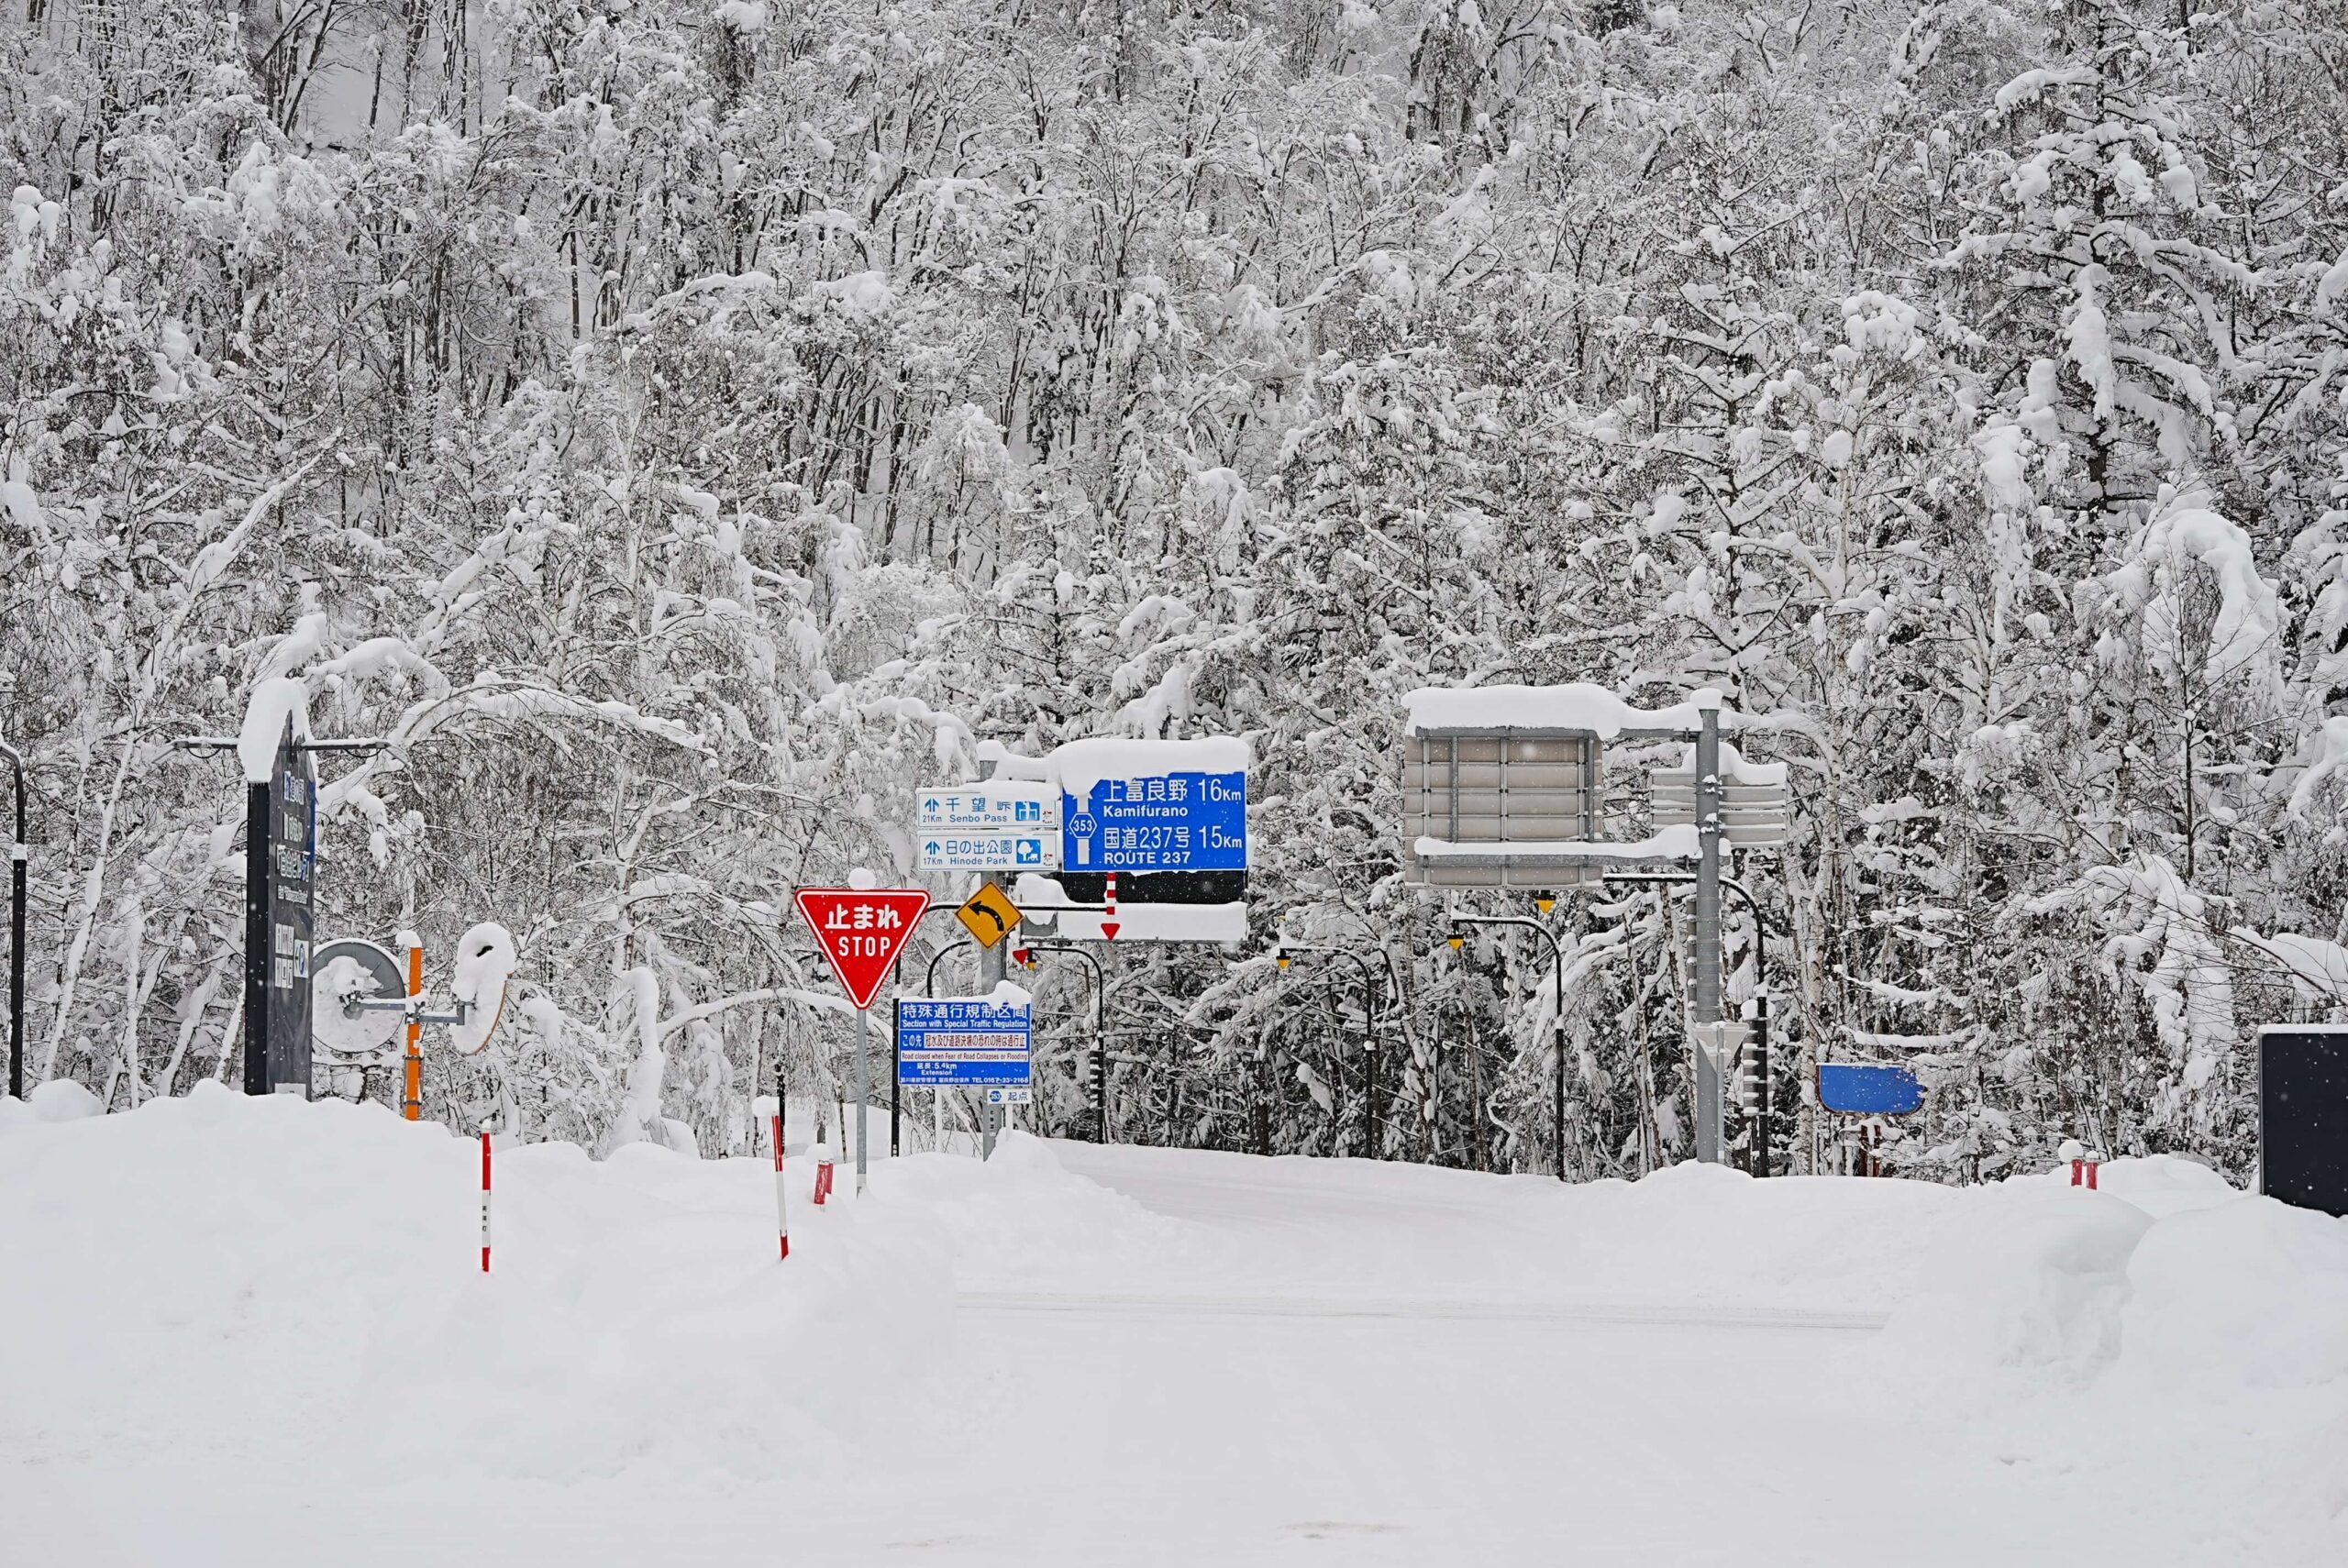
<point x="1000" y="930"/>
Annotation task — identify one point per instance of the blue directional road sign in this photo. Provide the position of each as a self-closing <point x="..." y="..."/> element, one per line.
<point x="949" y="1043"/>
<point x="982" y="850"/>
<point x="1166" y="821"/>
<point x="1868" y="1088"/>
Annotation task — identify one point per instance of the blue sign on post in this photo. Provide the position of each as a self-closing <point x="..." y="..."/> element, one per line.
<point x="1166" y="821"/>
<point x="1868" y="1088"/>
<point x="949" y="1043"/>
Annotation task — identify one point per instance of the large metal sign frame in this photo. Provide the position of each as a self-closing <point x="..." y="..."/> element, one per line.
<point x="1530" y="792"/>
<point x="1511" y="789"/>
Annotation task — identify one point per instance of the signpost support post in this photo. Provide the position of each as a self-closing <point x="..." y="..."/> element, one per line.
<point x="864" y="930"/>
<point x="1704" y="1003"/>
<point x="863" y="1098"/>
<point x="992" y="972"/>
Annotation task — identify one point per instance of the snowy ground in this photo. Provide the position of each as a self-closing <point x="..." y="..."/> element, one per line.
<point x="247" y="1331"/>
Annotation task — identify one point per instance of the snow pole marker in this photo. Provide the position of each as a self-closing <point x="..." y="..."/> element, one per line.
<point x="1109" y="921"/>
<point x="781" y="1203"/>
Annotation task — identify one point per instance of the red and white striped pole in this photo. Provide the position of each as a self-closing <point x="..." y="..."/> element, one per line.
<point x="1109" y="909"/>
<point x="484" y="1197"/>
<point x="781" y="1203"/>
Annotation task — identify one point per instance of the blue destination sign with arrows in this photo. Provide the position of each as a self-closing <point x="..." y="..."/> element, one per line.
<point x="1007" y="805"/>
<point x="988" y="825"/>
<point x="1165" y="821"/>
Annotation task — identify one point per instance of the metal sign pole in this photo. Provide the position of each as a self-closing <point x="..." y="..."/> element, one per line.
<point x="1705" y="1004"/>
<point x="896" y="1074"/>
<point x="863" y="1093"/>
<point x="992" y="972"/>
<point x="1557" y="1101"/>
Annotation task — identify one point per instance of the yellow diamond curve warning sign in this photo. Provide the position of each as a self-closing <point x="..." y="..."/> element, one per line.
<point x="990" y="915"/>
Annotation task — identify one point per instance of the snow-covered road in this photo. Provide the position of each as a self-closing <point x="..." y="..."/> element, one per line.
<point x="1082" y="1356"/>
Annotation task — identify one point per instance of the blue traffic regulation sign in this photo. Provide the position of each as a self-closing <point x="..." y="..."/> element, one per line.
<point x="1868" y="1088"/>
<point x="948" y="1042"/>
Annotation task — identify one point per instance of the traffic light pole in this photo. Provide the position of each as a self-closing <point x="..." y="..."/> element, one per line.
<point x="1704" y="1002"/>
<point x="1369" y="1127"/>
<point x="1761" y="1023"/>
<point x="896" y="1091"/>
<point x="992" y="972"/>
<point x="1100" y="1045"/>
<point x="1557" y="1022"/>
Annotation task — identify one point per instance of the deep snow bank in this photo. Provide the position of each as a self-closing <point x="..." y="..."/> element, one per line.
<point x="276" y="1282"/>
<point x="234" y="1288"/>
<point x="2164" y="1282"/>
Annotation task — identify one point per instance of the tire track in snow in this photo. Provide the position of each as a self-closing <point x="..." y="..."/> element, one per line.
<point x="1653" y="1315"/>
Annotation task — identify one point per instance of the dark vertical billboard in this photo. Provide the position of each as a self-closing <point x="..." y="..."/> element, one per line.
<point x="280" y="863"/>
<point x="2303" y="1115"/>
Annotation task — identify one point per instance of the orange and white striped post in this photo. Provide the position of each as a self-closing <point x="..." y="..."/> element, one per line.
<point x="412" y="1103"/>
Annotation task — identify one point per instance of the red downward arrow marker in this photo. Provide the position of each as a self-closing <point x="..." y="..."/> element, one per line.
<point x="1109" y="930"/>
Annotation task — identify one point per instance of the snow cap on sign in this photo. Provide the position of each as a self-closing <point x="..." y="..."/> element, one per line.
<point x="862" y="878"/>
<point x="273" y="702"/>
<point x="1678" y="842"/>
<point x="1578" y="705"/>
<point x="1734" y="769"/>
<point x="1080" y="765"/>
<point x="485" y="958"/>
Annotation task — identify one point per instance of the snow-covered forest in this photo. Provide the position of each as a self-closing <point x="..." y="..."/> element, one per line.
<point x="682" y="428"/>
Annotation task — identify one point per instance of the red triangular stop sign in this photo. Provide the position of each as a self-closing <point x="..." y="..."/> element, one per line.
<point x="863" y="930"/>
